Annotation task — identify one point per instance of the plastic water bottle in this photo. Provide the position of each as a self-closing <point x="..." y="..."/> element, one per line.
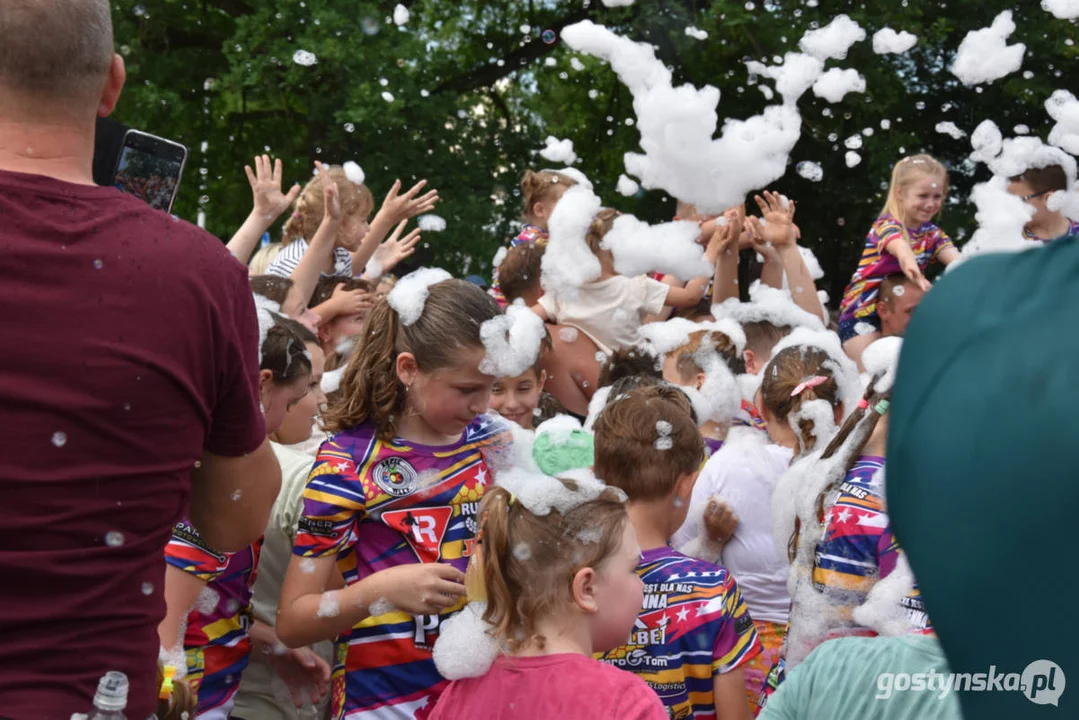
<point x="111" y="698"/>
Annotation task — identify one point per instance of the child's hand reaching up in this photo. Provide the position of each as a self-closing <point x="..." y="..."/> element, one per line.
<point x="778" y="214"/>
<point x="392" y="252"/>
<point x="397" y="207"/>
<point x="265" y="182"/>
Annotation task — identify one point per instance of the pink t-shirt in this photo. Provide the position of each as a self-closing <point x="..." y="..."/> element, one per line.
<point x="553" y="686"/>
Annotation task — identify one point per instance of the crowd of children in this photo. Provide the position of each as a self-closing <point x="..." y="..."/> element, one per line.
<point x="668" y="505"/>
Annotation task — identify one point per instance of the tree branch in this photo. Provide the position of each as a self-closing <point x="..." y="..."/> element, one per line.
<point x="486" y="75"/>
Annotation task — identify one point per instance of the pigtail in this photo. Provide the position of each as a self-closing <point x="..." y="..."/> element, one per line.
<point x="177" y="701"/>
<point x="494" y="540"/>
<point x="295" y="227"/>
<point x="799" y="387"/>
<point x="601" y="225"/>
<point x="370" y="388"/>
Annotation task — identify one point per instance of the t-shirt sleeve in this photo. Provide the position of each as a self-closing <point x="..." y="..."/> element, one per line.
<point x="653" y="294"/>
<point x="237" y="426"/>
<point x="550" y="306"/>
<point x="736" y="640"/>
<point x="187" y="551"/>
<point x="636" y="701"/>
<point x="885" y="231"/>
<point x="941" y="243"/>
<point x="333" y="504"/>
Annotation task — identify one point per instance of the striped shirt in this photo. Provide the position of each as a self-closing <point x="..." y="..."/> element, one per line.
<point x="694" y="625"/>
<point x="1073" y="229"/>
<point x="860" y="297"/>
<point x="216" y="641"/>
<point x="286" y="261"/>
<point x="376" y="504"/>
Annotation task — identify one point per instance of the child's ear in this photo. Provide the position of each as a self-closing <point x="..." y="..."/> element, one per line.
<point x="406" y="368"/>
<point x="584" y="590"/>
<point x="751" y="362"/>
<point x="542" y="379"/>
<point x="683" y="487"/>
<point x="699" y="380"/>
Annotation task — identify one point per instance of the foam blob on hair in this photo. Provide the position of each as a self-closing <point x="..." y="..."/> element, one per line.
<point x="466" y="646"/>
<point x="354" y="172"/>
<point x="767" y="304"/>
<point x="410" y="293"/>
<point x="882" y="359"/>
<point x="843" y="368"/>
<point x="511" y="341"/>
<point x="540" y="494"/>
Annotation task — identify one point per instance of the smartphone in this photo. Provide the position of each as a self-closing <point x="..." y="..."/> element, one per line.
<point x="150" y="168"/>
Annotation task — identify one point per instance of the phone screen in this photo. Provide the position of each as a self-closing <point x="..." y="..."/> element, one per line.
<point x="150" y="169"/>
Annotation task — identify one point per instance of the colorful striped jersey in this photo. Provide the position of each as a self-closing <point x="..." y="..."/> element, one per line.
<point x="694" y="625"/>
<point x="750" y="416"/>
<point x="216" y="641"/>
<point x="860" y="297"/>
<point x="376" y="504"/>
<point x="1073" y="229"/>
<point x="530" y="234"/>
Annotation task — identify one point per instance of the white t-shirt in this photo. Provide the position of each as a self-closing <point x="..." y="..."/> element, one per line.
<point x="262" y="694"/>
<point x="744" y="473"/>
<point x="286" y="261"/>
<point x="609" y="311"/>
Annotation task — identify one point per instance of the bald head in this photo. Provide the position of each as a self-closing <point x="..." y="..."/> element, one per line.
<point x="54" y="51"/>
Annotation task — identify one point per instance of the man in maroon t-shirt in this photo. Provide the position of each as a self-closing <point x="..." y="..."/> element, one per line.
<point x="128" y="382"/>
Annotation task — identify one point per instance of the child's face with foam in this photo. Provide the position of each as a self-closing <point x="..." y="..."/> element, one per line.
<point x="619" y="594"/>
<point x="922" y="199"/>
<point x="352" y="231"/>
<point x="449" y="399"/>
<point x="516" y="398"/>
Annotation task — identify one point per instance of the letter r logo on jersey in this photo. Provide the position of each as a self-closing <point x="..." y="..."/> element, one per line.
<point x="423" y="527"/>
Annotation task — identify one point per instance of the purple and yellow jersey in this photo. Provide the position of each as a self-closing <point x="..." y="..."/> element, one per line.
<point x="1073" y="229"/>
<point x="860" y="297"/>
<point x="374" y="504"/>
<point x="529" y="235"/>
<point x="216" y="641"/>
<point x="694" y="625"/>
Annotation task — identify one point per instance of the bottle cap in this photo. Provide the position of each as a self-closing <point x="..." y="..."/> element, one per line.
<point x="111" y="691"/>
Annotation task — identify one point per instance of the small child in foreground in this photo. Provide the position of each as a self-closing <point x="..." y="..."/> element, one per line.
<point x="694" y="632"/>
<point x="559" y="587"/>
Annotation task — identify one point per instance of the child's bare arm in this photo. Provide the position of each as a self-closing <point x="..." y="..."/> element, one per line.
<point x="319" y="253"/>
<point x="725" y="282"/>
<point x="269" y="203"/>
<point x="779" y="231"/>
<point x="908" y="263"/>
<point x="948" y="256"/>
<point x="729" y="695"/>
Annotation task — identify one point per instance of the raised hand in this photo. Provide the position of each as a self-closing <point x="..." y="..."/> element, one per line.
<point x="351" y="302"/>
<point x="778" y="214"/>
<point x="397" y="207"/>
<point x="265" y="182"/>
<point x="330" y="195"/>
<point x="396" y="249"/>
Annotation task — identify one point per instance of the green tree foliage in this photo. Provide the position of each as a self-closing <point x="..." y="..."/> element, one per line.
<point x="476" y="87"/>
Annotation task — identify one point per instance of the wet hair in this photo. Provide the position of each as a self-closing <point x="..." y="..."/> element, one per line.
<point x="628" y="361"/>
<point x="539" y="186"/>
<point x="271" y="287"/>
<point x="181" y="702"/>
<point x="905" y="172"/>
<point x="601" y="225"/>
<point x="688" y="364"/>
<point x="1044" y="180"/>
<point x="786" y="371"/>
<point x="519" y="272"/>
<point x="56" y="50"/>
<point x="762" y="336"/>
<point x="310" y="206"/>
<point x="629" y="431"/>
<point x="284" y="352"/>
<point x="371" y="391"/>
<point x="548" y="407"/>
<point x="522" y="587"/>
<point x="326" y="286"/>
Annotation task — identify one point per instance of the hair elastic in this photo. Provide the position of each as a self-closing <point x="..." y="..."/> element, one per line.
<point x="168" y="672"/>
<point x="863" y="404"/>
<point x="296" y="214"/>
<point x="812" y="382"/>
<point x="882" y="407"/>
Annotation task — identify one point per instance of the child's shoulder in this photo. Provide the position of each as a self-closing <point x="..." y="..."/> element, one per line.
<point x="673" y="566"/>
